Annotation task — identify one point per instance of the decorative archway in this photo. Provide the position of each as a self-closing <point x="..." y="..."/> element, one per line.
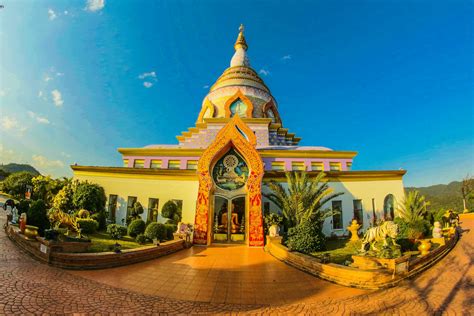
<point x="270" y="106"/>
<point x="238" y="95"/>
<point x="231" y="135"/>
<point x="389" y="207"/>
<point x="208" y="106"/>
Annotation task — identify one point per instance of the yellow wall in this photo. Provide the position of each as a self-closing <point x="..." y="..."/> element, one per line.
<point x="145" y="188"/>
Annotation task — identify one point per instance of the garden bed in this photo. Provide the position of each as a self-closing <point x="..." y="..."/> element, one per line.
<point x="42" y="251"/>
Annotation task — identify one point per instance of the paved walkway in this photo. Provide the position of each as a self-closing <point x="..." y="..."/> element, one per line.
<point x="225" y="280"/>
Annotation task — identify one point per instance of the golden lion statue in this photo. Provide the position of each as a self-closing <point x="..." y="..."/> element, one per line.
<point x="58" y="218"/>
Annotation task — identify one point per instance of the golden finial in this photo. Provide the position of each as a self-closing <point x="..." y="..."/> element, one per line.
<point x="240" y="42"/>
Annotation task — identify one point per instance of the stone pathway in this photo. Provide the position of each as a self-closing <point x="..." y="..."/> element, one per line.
<point x="224" y="280"/>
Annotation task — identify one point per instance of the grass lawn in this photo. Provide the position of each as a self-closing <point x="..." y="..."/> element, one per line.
<point x="102" y="242"/>
<point x="338" y="251"/>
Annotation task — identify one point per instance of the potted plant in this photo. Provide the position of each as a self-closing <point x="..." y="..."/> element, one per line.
<point x="273" y="221"/>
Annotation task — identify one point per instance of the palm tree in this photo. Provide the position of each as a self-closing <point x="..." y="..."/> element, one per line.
<point x="304" y="198"/>
<point x="413" y="207"/>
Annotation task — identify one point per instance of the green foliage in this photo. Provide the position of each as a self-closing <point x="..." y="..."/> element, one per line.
<point x="307" y="237"/>
<point x="273" y="219"/>
<point x="136" y="227"/>
<point x="63" y="200"/>
<point x="156" y="231"/>
<point x="445" y="196"/>
<point x="412" y="230"/>
<point x="141" y="239"/>
<point x="37" y="216"/>
<point x="16" y="167"/>
<point x="89" y="196"/>
<point x="15" y="184"/>
<point x="116" y="231"/>
<point x="46" y="188"/>
<point x="170" y="229"/>
<point x="88" y="225"/>
<point x="172" y="211"/>
<point x="100" y="218"/>
<point x="413" y="207"/>
<point x="304" y="199"/>
<point x="23" y="206"/>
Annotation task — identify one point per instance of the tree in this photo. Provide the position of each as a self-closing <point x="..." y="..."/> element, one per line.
<point x="172" y="211"/>
<point x="304" y="199"/>
<point x="37" y="216"/>
<point x="413" y="207"/>
<point x="15" y="184"/>
<point x="64" y="199"/>
<point x="46" y="188"/>
<point x="467" y="191"/>
<point x="89" y="196"/>
<point x="136" y="211"/>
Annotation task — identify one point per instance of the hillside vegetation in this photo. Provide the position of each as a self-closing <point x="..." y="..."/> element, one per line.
<point x="444" y="196"/>
<point x="16" y="167"/>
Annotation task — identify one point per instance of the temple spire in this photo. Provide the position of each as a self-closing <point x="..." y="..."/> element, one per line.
<point x="240" y="42"/>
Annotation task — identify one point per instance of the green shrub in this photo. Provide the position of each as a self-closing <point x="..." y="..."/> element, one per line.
<point x="170" y="229"/>
<point x="116" y="231"/>
<point x="15" y="184"/>
<point x="414" y="230"/>
<point x="89" y="196"/>
<point x="136" y="227"/>
<point x="155" y="231"/>
<point x="141" y="239"/>
<point x="100" y="218"/>
<point x="172" y="211"/>
<point x="23" y="206"/>
<point x="37" y="216"/>
<point x="88" y="225"/>
<point x="306" y="237"/>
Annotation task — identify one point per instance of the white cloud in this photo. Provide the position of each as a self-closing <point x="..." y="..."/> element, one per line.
<point x="147" y="84"/>
<point x="64" y="154"/>
<point x="66" y="12"/>
<point x="47" y="78"/>
<point x="40" y="94"/>
<point x="7" y="155"/>
<point x="51" y="14"/>
<point x="43" y="162"/>
<point x="39" y="119"/>
<point x="3" y="93"/>
<point x="264" y="72"/>
<point x="150" y="74"/>
<point x="59" y="74"/>
<point x="57" y="98"/>
<point x="206" y="86"/>
<point x="9" y="122"/>
<point x="95" y="5"/>
<point x="286" y="57"/>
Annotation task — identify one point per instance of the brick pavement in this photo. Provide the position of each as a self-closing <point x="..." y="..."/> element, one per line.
<point x="29" y="287"/>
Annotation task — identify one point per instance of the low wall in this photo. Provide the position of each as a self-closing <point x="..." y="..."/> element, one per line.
<point x="83" y="261"/>
<point x="354" y="277"/>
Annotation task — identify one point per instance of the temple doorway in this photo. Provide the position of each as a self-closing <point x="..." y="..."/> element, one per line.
<point x="229" y="220"/>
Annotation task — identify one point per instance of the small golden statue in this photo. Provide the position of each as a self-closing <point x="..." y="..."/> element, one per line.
<point x="58" y="218"/>
<point x="354" y="229"/>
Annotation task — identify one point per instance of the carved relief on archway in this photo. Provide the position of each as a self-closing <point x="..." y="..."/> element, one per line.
<point x="207" y="111"/>
<point x="231" y="135"/>
<point x="238" y="96"/>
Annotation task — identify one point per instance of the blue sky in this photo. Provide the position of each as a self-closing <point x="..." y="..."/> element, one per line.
<point x="392" y="80"/>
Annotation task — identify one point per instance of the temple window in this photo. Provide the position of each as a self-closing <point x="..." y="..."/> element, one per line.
<point x="174" y="164"/>
<point x="278" y="165"/>
<point x="131" y="200"/>
<point x="337" y="218"/>
<point x="317" y="166"/>
<point x="349" y="166"/>
<point x="192" y="165"/>
<point x="112" y="207"/>
<point x="139" y="163"/>
<point x="358" y="211"/>
<point x="155" y="164"/>
<point x="298" y="166"/>
<point x="239" y="107"/>
<point x="125" y="163"/>
<point x="335" y="166"/>
<point x="271" y="115"/>
<point x="152" y="210"/>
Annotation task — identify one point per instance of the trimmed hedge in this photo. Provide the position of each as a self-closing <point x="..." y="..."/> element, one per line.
<point x="156" y="231"/>
<point x="136" y="227"/>
<point x="141" y="239"/>
<point x="88" y="225"/>
<point x="116" y="231"/>
<point x="306" y="238"/>
<point x="170" y="229"/>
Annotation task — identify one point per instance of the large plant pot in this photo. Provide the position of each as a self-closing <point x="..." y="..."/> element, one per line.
<point x="274" y="230"/>
<point x="31" y="232"/>
<point x="424" y="247"/>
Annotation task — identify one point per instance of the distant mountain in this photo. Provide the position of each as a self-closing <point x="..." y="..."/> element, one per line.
<point x="444" y="196"/>
<point x="15" y="167"/>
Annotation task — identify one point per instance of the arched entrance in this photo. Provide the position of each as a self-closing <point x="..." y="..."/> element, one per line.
<point x="389" y="207"/>
<point x="230" y="170"/>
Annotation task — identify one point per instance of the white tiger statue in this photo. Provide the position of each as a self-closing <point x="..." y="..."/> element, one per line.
<point x="374" y="234"/>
